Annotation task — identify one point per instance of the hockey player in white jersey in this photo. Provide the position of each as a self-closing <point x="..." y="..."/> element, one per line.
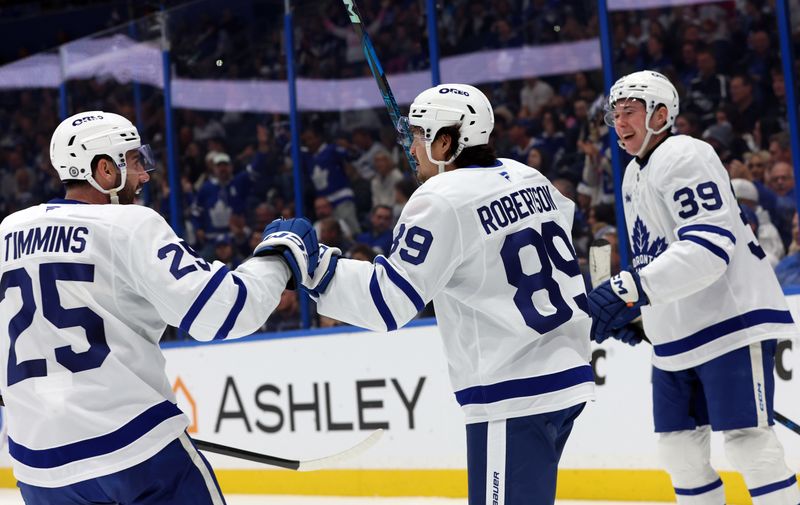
<point x="709" y="301"/>
<point x="86" y="291"/>
<point x="489" y="241"/>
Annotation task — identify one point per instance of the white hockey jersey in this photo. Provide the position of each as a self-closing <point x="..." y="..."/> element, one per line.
<point x="711" y="290"/>
<point x="492" y="247"/>
<point x="85" y="295"/>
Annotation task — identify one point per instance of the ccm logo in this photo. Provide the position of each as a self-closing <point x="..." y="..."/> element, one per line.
<point x="445" y="91"/>
<point x="82" y="120"/>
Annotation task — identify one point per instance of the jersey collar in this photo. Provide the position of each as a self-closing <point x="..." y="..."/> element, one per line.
<point x="643" y="160"/>
<point x="63" y="201"/>
<point x="497" y="163"/>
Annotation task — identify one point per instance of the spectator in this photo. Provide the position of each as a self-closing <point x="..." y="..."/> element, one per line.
<point x="708" y="90"/>
<point x="217" y="202"/>
<point x="328" y="166"/>
<point x="330" y="234"/>
<point x="379" y="235"/>
<point x="362" y="252"/>
<point x="533" y="96"/>
<point x="745" y="110"/>
<point x="386" y="177"/>
<point x="788" y="270"/>
<point x="768" y="236"/>
<point x="323" y="210"/>
<point x="780" y="179"/>
<point x="286" y="315"/>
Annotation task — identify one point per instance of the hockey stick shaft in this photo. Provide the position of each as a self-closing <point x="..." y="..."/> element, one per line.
<point x="380" y="77"/>
<point x="786" y="422"/>
<point x="291" y="464"/>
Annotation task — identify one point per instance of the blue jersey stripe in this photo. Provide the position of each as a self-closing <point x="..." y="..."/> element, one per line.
<point x="401" y="283"/>
<point x="530" y="386"/>
<point x="203" y="298"/>
<point x="235" y="310"/>
<point x="726" y="327"/>
<point x="706" y="228"/>
<point x="775" y="486"/>
<point x="710" y="246"/>
<point x="380" y="303"/>
<point x="698" y="490"/>
<point x="97" y="446"/>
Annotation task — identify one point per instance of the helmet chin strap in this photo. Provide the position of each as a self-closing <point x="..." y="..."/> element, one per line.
<point x="113" y="196"/>
<point x="442" y="164"/>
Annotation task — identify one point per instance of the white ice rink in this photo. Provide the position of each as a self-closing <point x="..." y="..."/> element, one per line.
<point x="12" y="497"/>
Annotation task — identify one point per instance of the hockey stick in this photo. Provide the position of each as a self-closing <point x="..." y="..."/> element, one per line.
<point x="600" y="271"/>
<point x="383" y="85"/>
<point x="292" y="464"/>
<point x="599" y="261"/>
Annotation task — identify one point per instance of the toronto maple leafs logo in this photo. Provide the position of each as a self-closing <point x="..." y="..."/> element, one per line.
<point x="643" y="251"/>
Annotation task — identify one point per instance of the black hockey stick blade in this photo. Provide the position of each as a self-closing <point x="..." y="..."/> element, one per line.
<point x="291" y="464"/>
<point x="786" y="422"/>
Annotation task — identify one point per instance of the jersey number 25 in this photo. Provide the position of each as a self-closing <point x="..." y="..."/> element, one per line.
<point x="59" y="316"/>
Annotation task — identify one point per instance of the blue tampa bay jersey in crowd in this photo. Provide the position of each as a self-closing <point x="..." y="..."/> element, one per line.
<point x="710" y="287"/>
<point x="491" y="246"/>
<point x="85" y="296"/>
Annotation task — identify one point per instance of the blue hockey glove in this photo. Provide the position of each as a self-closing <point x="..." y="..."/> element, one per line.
<point x="326" y="267"/>
<point x="615" y="303"/>
<point x="630" y="334"/>
<point x="296" y="241"/>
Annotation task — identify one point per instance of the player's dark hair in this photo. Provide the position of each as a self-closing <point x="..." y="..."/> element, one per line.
<point x="482" y="156"/>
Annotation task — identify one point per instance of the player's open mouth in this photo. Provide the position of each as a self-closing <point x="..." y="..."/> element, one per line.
<point x="628" y="136"/>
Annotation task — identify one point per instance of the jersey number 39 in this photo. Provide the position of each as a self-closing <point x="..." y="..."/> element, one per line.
<point x="59" y="316"/>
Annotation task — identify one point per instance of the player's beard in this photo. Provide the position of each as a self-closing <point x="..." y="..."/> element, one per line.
<point x="127" y="195"/>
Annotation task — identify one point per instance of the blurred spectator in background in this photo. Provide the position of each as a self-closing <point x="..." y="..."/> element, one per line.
<point x="217" y="202"/>
<point x="324" y="210"/>
<point x="361" y="252"/>
<point x="379" y="235"/>
<point x="707" y="91"/>
<point x="768" y="236"/>
<point x="328" y="166"/>
<point x="386" y="177"/>
<point x="788" y="270"/>
<point x="780" y="179"/>
<point x="533" y="96"/>
<point x="286" y="315"/>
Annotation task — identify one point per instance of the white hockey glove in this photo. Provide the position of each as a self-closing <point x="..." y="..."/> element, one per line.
<point x="326" y="267"/>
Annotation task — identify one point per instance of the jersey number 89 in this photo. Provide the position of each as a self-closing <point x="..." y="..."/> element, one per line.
<point x="528" y="284"/>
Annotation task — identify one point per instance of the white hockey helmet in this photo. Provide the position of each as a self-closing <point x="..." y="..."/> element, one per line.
<point x="653" y="89"/>
<point x="460" y="105"/>
<point x="82" y="137"/>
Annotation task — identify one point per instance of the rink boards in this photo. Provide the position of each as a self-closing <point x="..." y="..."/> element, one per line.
<point x="303" y="397"/>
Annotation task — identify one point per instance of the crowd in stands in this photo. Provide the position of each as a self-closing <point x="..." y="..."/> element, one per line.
<point x="236" y="168"/>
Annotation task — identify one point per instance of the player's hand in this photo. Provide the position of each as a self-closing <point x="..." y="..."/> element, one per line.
<point x="296" y="241"/>
<point x="631" y="334"/>
<point x="326" y="267"/>
<point x="615" y="303"/>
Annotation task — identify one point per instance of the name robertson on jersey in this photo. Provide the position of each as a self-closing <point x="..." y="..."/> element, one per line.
<point x="512" y="207"/>
<point x="48" y="239"/>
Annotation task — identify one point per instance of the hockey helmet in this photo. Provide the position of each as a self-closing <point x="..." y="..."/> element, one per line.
<point x="82" y="137"/>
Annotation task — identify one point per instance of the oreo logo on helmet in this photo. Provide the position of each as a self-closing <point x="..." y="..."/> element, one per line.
<point x="457" y="91"/>
<point x="85" y="119"/>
